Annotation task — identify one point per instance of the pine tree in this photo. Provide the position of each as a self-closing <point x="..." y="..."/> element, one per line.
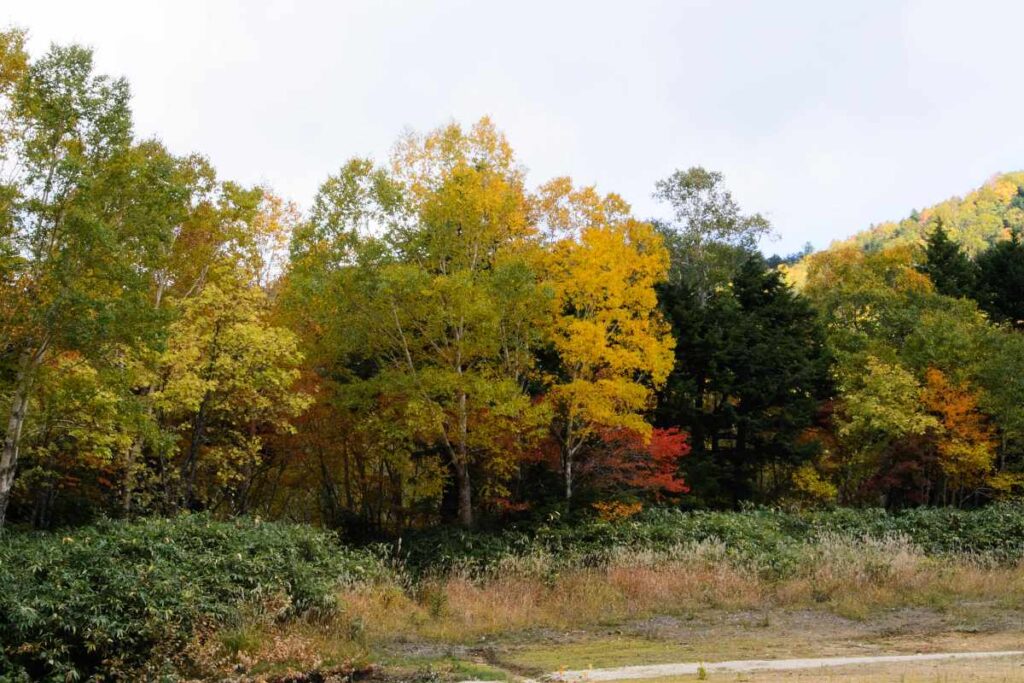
<point x="1000" y="288"/>
<point x="947" y="265"/>
<point x="751" y="373"/>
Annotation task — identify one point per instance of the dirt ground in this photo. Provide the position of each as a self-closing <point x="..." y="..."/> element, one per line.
<point x="723" y="636"/>
<point x="994" y="670"/>
<point x="702" y="636"/>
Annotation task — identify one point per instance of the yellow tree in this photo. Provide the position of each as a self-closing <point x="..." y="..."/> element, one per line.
<point x="614" y="347"/>
<point x="424" y="298"/>
<point x="229" y="379"/>
<point x="83" y="424"/>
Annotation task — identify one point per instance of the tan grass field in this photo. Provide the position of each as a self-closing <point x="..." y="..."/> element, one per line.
<point x="691" y="605"/>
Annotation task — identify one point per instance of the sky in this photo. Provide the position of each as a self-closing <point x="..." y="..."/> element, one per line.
<point x="824" y="116"/>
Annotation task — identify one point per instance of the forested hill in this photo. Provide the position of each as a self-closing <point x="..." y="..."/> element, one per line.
<point x="977" y="220"/>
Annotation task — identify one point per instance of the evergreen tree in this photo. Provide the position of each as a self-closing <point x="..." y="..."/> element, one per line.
<point x="1000" y="288"/>
<point x="947" y="265"/>
<point x="751" y="373"/>
<point x="691" y="397"/>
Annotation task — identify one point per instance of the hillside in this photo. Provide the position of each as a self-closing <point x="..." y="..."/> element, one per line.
<point x="977" y="220"/>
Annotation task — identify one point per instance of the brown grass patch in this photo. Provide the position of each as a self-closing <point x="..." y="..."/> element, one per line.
<point x="850" y="578"/>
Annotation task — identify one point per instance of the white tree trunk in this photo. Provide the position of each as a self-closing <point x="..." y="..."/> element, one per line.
<point x="15" y="422"/>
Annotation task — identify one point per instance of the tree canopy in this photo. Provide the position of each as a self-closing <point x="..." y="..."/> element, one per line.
<point x="438" y="339"/>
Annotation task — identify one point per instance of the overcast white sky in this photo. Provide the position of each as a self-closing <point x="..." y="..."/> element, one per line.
<point x="825" y="116"/>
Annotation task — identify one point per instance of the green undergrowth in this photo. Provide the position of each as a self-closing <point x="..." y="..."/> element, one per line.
<point x="122" y="600"/>
<point x="774" y="541"/>
<point x="110" y="599"/>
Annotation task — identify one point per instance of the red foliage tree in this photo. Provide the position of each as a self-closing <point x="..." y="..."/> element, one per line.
<point x="624" y="460"/>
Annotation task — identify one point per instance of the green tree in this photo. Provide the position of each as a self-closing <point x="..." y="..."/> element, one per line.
<point x="751" y="372"/>
<point x="1000" y="289"/>
<point x="947" y="265"/>
<point x="750" y="369"/>
<point x="710" y="235"/>
<point x="13" y="66"/>
<point x="1001" y="375"/>
<point x="81" y="226"/>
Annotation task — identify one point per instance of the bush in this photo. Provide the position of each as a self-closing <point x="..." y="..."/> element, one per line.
<point x="768" y="540"/>
<point x="111" y="599"/>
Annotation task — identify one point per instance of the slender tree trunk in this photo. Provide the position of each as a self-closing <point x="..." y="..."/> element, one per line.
<point x="189" y="466"/>
<point x="567" y="456"/>
<point x="739" y="485"/>
<point x="27" y="366"/>
<point x="364" y="491"/>
<point x="128" y="485"/>
<point x="330" y="491"/>
<point x="462" y="466"/>
<point x="567" y="474"/>
<point x="44" y="505"/>
<point x="165" y="480"/>
<point x="465" y="492"/>
<point x="346" y="478"/>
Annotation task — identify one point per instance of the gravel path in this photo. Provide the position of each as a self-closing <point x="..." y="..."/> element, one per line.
<point x="750" y="665"/>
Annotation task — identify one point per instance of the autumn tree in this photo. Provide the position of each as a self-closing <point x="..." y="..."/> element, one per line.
<point x="352" y="464"/>
<point x="930" y="363"/>
<point x="976" y="220"/>
<point x="83" y="421"/>
<point x="966" y="439"/>
<point x="105" y="240"/>
<point x="87" y="210"/>
<point x="613" y="346"/>
<point x="229" y="380"/>
<point x="223" y="234"/>
<point x="626" y="463"/>
<point x="430" y="302"/>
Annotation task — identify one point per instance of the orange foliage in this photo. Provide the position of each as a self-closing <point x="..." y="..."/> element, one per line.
<point x="967" y="439"/>
<point x="614" y="510"/>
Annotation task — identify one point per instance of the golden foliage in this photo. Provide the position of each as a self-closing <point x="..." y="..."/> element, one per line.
<point x="614" y="345"/>
<point x="966" y="438"/>
<point x="612" y="510"/>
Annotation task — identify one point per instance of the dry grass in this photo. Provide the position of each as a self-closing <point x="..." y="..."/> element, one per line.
<point x="856" y="579"/>
<point x="527" y="597"/>
<point x="459" y="608"/>
<point x="852" y="579"/>
<point x="263" y="646"/>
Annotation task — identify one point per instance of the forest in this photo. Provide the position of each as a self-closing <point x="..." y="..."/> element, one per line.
<point x="447" y="423"/>
<point x="436" y="341"/>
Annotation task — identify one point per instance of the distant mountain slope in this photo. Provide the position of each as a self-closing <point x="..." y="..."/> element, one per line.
<point x="977" y="220"/>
